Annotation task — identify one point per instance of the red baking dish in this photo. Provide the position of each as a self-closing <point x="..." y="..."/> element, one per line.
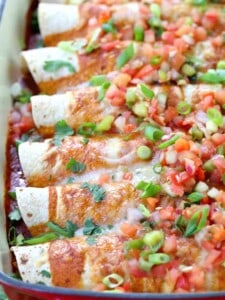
<point x="12" y="33"/>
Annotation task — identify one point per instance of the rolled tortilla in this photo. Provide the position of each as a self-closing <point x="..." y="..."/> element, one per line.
<point x="82" y="105"/>
<point x="45" y="164"/>
<point x="75" y="203"/>
<point x="72" y="68"/>
<point x="73" y="263"/>
<point x="75" y="107"/>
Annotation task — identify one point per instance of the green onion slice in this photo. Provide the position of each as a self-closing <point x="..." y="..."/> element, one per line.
<point x="126" y="55"/>
<point x="157" y="168"/>
<point x="149" y="189"/>
<point x="195" y="197"/>
<point x="183" y="108"/>
<point x="154" y="240"/>
<point x="43" y="238"/>
<point x="87" y="129"/>
<point x="169" y="142"/>
<point x="153" y="133"/>
<point x="158" y="258"/>
<point x="197" y="222"/>
<point x="51" y="66"/>
<point x="68" y="231"/>
<point x="213" y="76"/>
<point x="146" y="91"/>
<point x="215" y="116"/>
<point x="139" y="33"/>
<point x="113" y="280"/>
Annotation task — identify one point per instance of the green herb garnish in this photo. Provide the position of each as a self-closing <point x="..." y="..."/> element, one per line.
<point x="68" y="231"/>
<point x="97" y="191"/>
<point x="125" y="56"/>
<point x="91" y="228"/>
<point x="75" y="166"/>
<point x="61" y="131"/>
<point x="55" y="65"/>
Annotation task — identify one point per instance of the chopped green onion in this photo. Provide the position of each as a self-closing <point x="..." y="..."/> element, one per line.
<point x="188" y="70"/>
<point x="92" y="43"/>
<point x="125" y="56"/>
<point x="196" y="222"/>
<point x="105" y="124"/>
<point x="156" y="25"/>
<point x="183" y="108"/>
<point x="195" y="197"/>
<point x="134" y="244"/>
<point x="149" y="94"/>
<point x="109" y="26"/>
<point x="158" y="258"/>
<point x="75" y="166"/>
<point x="102" y="90"/>
<point x="155" y="10"/>
<point x="113" y="280"/>
<point x="12" y="195"/>
<point x="131" y="96"/>
<point x="154" y="240"/>
<point x="97" y="80"/>
<point x="55" y="65"/>
<point x="143" y="209"/>
<point x="145" y="265"/>
<point x="72" y="46"/>
<point x="196" y="133"/>
<point x="149" y="189"/>
<point x="68" y="231"/>
<point x="153" y="133"/>
<point x="43" y="238"/>
<point x="215" y="115"/>
<point x="155" y="60"/>
<point x="220" y="150"/>
<point x="140" y="109"/>
<point x="139" y="34"/>
<point x="169" y="142"/>
<point x="157" y="168"/>
<point x="221" y="64"/>
<point x="24" y="96"/>
<point x="199" y="2"/>
<point x="144" y="152"/>
<point x="213" y="76"/>
<point x="209" y="166"/>
<point x="87" y="129"/>
<point x="162" y="76"/>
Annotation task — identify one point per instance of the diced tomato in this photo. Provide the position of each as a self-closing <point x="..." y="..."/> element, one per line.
<point x="183" y="283"/>
<point x="207" y="245"/>
<point x="26" y="123"/>
<point x="200" y="34"/>
<point x="207" y="149"/>
<point x="135" y="270"/>
<point x="127" y="286"/>
<point x="177" y="61"/>
<point x="170" y="244"/>
<point x="145" y="71"/>
<point x="200" y="174"/>
<point x="104" y="178"/>
<point x="181" y="145"/>
<point x="128" y="230"/>
<point x="167" y="213"/>
<point x="207" y="102"/>
<point x="127" y="176"/>
<point x="152" y="203"/>
<point x="168" y="37"/>
<point x="170" y="114"/>
<point x="212" y="16"/>
<point x="104" y="16"/>
<point x="218" y="139"/>
<point x="181" y="45"/>
<point x="129" y="128"/>
<point x="197" y="277"/>
<point x="218" y="235"/>
<point x="220" y="97"/>
<point x="211" y="257"/>
<point x="117" y="101"/>
<point x="109" y="46"/>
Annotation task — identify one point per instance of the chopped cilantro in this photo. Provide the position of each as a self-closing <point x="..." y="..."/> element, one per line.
<point x="61" y="130"/>
<point x="97" y="191"/>
<point x="91" y="228"/>
<point x="75" y="166"/>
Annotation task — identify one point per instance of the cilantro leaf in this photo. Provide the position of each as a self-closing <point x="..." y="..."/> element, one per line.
<point x="97" y="191"/>
<point x="12" y="195"/>
<point x="24" y="96"/>
<point x="91" y="228"/>
<point x="75" y="166"/>
<point x="109" y="26"/>
<point x="46" y="274"/>
<point x="55" y="65"/>
<point x="61" y="130"/>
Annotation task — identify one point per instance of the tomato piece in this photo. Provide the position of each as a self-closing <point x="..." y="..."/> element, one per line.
<point x="183" y="283"/>
<point x="26" y="123"/>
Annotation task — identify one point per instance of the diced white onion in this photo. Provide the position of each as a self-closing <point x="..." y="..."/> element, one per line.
<point x="213" y="193"/>
<point x="201" y="187"/>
